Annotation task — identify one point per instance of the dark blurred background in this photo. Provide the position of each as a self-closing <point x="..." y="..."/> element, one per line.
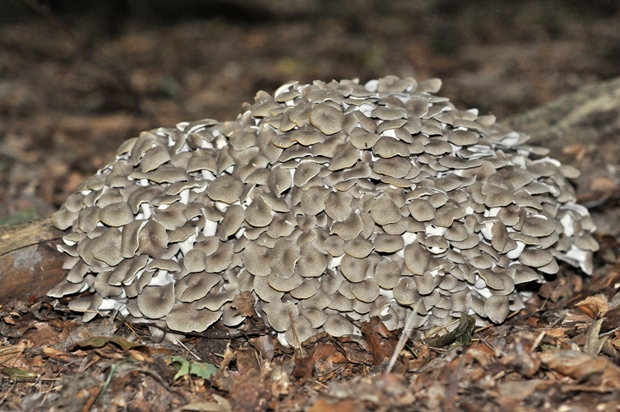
<point x="79" y="77"/>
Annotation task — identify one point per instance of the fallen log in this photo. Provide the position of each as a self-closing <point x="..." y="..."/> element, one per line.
<point x="29" y="263"/>
<point x="585" y="116"/>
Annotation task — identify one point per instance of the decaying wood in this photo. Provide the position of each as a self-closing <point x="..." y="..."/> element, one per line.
<point x="20" y="236"/>
<point x="30" y="264"/>
<point x="582" y="117"/>
<point x="582" y="127"/>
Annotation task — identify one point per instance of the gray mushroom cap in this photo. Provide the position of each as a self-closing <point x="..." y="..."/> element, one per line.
<point x="279" y="314"/>
<point x="326" y="118"/>
<point x="303" y="330"/>
<point x="155" y="302"/>
<point x="116" y="214"/>
<point x="198" y="285"/>
<point x="329" y="203"/>
<point x="88" y="305"/>
<point x="337" y="325"/>
<point x="184" y="317"/>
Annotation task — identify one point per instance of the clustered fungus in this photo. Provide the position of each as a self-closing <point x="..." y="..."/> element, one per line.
<point x="331" y="203"/>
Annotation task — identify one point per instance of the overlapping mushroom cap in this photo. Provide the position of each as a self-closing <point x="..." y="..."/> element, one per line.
<point x="331" y="203"/>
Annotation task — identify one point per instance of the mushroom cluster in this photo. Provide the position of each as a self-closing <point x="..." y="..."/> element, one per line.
<point x="331" y="203"/>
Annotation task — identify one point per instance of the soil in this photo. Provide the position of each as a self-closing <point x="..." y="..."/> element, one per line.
<point x="74" y="84"/>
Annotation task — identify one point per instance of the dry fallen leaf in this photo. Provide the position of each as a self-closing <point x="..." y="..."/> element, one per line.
<point x="583" y="367"/>
<point x="594" y="306"/>
<point x="55" y="353"/>
<point x="204" y="407"/>
<point x="264" y="345"/>
<point x="101" y="341"/>
<point x="461" y="335"/>
<point x="303" y="368"/>
<point x="520" y="354"/>
<point x="594" y="344"/>
<point x="244" y="303"/>
<point x="346" y="405"/>
<point x="12" y="352"/>
<point x="519" y="390"/>
<point x="379" y="340"/>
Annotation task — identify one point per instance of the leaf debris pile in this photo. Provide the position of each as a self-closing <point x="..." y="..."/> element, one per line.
<point x="563" y="354"/>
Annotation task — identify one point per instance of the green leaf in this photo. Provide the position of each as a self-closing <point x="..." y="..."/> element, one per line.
<point x="19" y="374"/>
<point x="183" y="366"/>
<point x="202" y="370"/>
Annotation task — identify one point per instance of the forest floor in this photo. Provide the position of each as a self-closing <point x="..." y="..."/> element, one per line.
<point x="72" y="88"/>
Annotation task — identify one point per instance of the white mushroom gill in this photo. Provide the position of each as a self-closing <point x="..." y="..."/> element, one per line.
<point x="330" y="203"/>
